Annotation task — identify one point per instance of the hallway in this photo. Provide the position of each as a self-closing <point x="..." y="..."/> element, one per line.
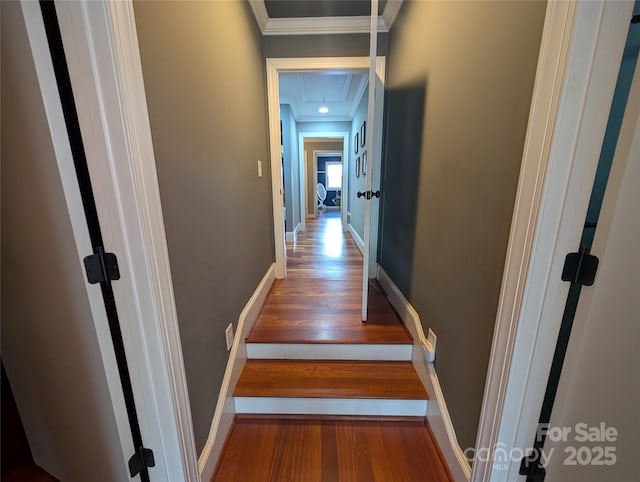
<point x="323" y="396"/>
<point x="319" y="301"/>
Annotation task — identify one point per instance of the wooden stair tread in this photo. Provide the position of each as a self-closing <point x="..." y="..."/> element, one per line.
<point x="309" y="315"/>
<point x="316" y="450"/>
<point x="330" y="379"/>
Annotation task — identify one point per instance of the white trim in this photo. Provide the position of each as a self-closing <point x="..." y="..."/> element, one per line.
<point x="332" y="406"/>
<point x="442" y="426"/>
<point x="335" y="136"/>
<point x="407" y="314"/>
<point x="344" y="159"/>
<point x="275" y="149"/>
<point x="322" y="351"/>
<point x="391" y="11"/>
<point x="104" y="64"/>
<point x="423" y="356"/>
<point x="292" y="236"/>
<point x="579" y="61"/>
<point x="356" y="238"/>
<point x="273" y="67"/>
<point x="259" y="10"/>
<point x="302" y="183"/>
<point x="64" y="158"/>
<point x="321" y="25"/>
<point x="225" y="408"/>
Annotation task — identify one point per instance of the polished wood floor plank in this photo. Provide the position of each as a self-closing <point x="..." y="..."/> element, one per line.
<point x="319" y="301"/>
<point x="293" y="450"/>
<point x="330" y="379"/>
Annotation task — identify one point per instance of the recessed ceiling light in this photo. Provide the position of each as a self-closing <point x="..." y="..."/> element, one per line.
<point x="323" y="110"/>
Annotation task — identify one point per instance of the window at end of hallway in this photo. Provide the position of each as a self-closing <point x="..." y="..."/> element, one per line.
<point x="334" y="175"/>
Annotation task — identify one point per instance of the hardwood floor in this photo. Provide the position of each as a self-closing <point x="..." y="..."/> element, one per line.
<point x="319" y="301"/>
<point x="326" y="450"/>
<point x="329" y="378"/>
<point x="381" y="433"/>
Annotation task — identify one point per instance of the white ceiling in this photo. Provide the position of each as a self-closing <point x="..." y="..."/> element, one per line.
<point x="306" y="92"/>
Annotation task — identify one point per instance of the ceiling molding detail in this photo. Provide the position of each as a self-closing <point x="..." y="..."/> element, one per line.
<point x="260" y="12"/>
<point x="391" y="10"/>
<point x="310" y="90"/>
<point x="322" y="25"/>
<point x="291" y="102"/>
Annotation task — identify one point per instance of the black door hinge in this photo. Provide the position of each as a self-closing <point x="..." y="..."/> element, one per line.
<point x="531" y="466"/>
<point x="580" y="267"/>
<point x="101" y="267"/>
<point x="141" y="460"/>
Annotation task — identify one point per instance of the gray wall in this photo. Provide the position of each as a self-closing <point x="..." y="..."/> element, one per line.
<point x="356" y="206"/>
<point x="291" y="167"/>
<point x="205" y="85"/>
<point x="342" y="45"/>
<point x="310" y="145"/>
<point x="49" y="344"/>
<point x="460" y="79"/>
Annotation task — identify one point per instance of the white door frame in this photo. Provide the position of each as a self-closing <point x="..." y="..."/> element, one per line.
<point x="274" y="67"/>
<point x="326" y="152"/>
<point x="102" y="53"/>
<point x="580" y="55"/>
<point x="302" y="138"/>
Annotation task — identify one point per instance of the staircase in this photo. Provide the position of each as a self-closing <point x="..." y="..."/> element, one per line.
<point x="330" y="387"/>
<point x="323" y="396"/>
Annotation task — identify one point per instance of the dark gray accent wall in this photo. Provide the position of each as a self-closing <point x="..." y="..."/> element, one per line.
<point x="205" y="86"/>
<point x="459" y="86"/>
<point x="49" y="343"/>
<point x="342" y="45"/>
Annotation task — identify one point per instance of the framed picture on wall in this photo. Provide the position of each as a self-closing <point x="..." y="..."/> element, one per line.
<point x="364" y="163"/>
<point x="358" y="167"/>
<point x="355" y="144"/>
<point x="363" y="133"/>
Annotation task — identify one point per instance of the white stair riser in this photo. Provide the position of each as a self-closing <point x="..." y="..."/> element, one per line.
<point x="309" y="351"/>
<point x="331" y="406"/>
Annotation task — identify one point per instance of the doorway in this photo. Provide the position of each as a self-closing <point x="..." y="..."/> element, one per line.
<point x="275" y="67"/>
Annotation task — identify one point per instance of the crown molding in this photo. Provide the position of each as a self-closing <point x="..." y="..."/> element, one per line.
<point x="391" y="11"/>
<point x="260" y="13"/>
<point x="291" y="102"/>
<point x="322" y="25"/>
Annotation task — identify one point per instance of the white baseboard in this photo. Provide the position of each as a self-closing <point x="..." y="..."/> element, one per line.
<point x="225" y="408"/>
<point x="292" y="236"/>
<point x="407" y="313"/>
<point x="356" y="237"/>
<point x="423" y="356"/>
